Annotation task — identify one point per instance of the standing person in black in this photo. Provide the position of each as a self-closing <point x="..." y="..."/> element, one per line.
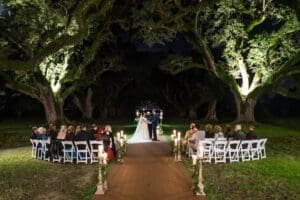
<point x="148" y="116"/>
<point x="52" y="134"/>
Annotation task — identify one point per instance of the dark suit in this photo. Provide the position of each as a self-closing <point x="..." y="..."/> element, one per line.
<point x="154" y="121"/>
<point x="149" y="126"/>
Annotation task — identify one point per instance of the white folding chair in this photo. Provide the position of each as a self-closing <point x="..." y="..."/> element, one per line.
<point x="94" y="150"/>
<point x="245" y="150"/>
<point x="233" y="150"/>
<point x="219" y="151"/>
<point x="82" y="151"/>
<point x="34" y="144"/>
<point x="40" y="149"/>
<point x="45" y="150"/>
<point x="262" y="148"/>
<point x="254" y="149"/>
<point x="207" y="150"/>
<point x="68" y="150"/>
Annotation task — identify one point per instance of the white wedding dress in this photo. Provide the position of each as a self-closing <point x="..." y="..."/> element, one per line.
<point x="141" y="133"/>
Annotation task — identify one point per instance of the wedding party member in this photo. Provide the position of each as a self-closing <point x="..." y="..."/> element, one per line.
<point x="229" y="134"/>
<point x="218" y="132"/>
<point x="188" y="134"/>
<point x="251" y="135"/>
<point x="154" y="121"/>
<point x="208" y="128"/>
<point x="34" y="133"/>
<point x="238" y="133"/>
<point x="108" y="142"/>
<point x="148" y="117"/>
<point x="70" y="133"/>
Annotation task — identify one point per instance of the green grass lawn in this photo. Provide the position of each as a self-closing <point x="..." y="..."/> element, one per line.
<point x="276" y="177"/>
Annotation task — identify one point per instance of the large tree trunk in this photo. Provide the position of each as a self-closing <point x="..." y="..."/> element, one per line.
<point x="53" y="106"/>
<point x="244" y="109"/>
<point x="88" y="111"/>
<point x="85" y="105"/>
<point x="211" y="114"/>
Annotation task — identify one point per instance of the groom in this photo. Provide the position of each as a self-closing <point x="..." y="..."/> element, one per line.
<point x="154" y="121"/>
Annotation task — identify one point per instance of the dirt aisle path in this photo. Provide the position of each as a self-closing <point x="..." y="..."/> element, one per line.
<point x="149" y="172"/>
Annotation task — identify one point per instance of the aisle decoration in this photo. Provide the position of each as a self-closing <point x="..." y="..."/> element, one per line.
<point x="102" y="176"/>
<point x="121" y="145"/>
<point x="176" y="145"/>
<point x="198" y="186"/>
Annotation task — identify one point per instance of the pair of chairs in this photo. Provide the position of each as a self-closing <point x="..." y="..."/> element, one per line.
<point x="82" y="151"/>
<point x="234" y="150"/>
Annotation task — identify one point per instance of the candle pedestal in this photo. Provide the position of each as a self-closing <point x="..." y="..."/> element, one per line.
<point x="179" y="152"/>
<point x="102" y="183"/>
<point x="200" y="191"/>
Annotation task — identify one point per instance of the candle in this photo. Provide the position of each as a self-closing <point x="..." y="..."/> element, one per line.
<point x="104" y="158"/>
<point x="179" y="135"/>
<point x="174" y="132"/>
<point x="194" y="157"/>
<point x="121" y="141"/>
<point x="137" y="113"/>
<point x="122" y="133"/>
<point x="118" y="136"/>
<point x="100" y="150"/>
<point x="125" y="137"/>
<point x="175" y="142"/>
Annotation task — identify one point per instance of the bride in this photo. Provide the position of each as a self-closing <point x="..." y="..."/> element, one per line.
<point x="141" y="133"/>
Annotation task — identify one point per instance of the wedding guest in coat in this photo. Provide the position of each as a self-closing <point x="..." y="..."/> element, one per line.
<point x="82" y="134"/>
<point x="208" y="128"/>
<point x="93" y="132"/>
<point x="238" y="133"/>
<point x="70" y="133"/>
<point x="218" y="132"/>
<point x="53" y="143"/>
<point x="251" y="135"/>
<point x="34" y="133"/>
<point x="229" y="134"/>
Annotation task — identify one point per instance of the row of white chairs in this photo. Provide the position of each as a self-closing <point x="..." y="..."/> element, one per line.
<point x="79" y="150"/>
<point x="220" y="151"/>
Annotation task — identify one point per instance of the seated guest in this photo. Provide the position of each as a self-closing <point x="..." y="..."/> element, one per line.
<point x="70" y="133"/>
<point x="196" y="136"/>
<point x="209" y="131"/>
<point x="34" y="133"/>
<point x="93" y="132"/>
<point x="188" y="134"/>
<point x="99" y="134"/>
<point x="62" y="132"/>
<point x="238" y="133"/>
<point x="229" y="134"/>
<point x="108" y="142"/>
<point x="251" y="135"/>
<point x="77" y="130"/>
<point x="218" y="132"/>
<point x="42" y="134"/>
<point x="82" y="134"/>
